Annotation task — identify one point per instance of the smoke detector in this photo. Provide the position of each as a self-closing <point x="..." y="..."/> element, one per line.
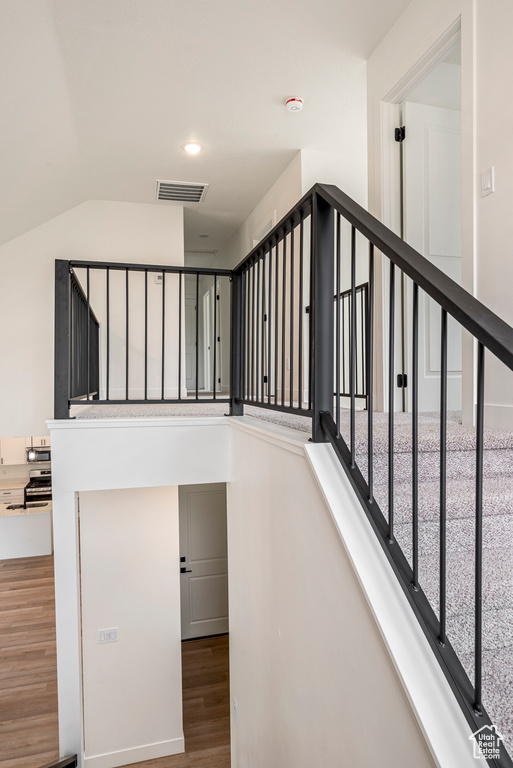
<point x="294" y="104"/>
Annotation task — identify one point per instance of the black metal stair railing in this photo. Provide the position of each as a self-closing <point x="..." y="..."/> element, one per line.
<point x="326" y="247"/>
<point x="135" y="348"/>
<point x="321" y="364"/>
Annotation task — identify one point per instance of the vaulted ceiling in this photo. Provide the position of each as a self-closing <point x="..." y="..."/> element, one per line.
<point x="98" y="96"/>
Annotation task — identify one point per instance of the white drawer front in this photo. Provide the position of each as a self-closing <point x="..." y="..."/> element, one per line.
<point x="11" y="494"/>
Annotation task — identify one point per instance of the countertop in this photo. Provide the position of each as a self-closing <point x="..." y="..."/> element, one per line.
<point x="7" y="485"/>
<point x="4" y="512"/>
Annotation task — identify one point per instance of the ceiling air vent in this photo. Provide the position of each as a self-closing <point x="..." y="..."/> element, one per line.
<point x="181" y="191"/>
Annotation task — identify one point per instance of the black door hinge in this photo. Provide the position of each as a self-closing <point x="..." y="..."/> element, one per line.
<point x="265" y="379"/>
<point x="402" y="380"/>
<point x="400" y="133"/>
<point x="219" y="381"/>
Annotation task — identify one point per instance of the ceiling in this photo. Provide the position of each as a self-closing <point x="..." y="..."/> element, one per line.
<point x="98" y="97"/>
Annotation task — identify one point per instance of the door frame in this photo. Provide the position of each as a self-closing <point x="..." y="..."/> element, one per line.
<point x="390" y="196"/>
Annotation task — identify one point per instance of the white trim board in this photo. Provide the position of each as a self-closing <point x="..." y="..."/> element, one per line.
<point x="136" y="755"/>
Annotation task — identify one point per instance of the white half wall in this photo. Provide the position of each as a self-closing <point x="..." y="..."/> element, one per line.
<point x="98" y="230"/>
<point x="328" y="666"/>
<point x="111" y="455"/>
<point x="130" y="580"/>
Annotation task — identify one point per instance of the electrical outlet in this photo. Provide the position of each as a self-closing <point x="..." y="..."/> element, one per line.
<point x="235" y="709"/>
<point x="108" y="635"/>
<point x="287" y="361"/>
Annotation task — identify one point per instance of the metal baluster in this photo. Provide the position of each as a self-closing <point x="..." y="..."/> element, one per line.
<point x="301" y="313"/>
<point x="415" y="435"/>
<point x="276" y="309"/>
<point x="126" y="334"/>
<point x="337" y="330"/>
<point x="215" y="333"/>
<point x="479" y="530"/>
<point x="370" y="372"/>
<point x="352" y="348"/>
<point x="362" y="339"/>
<point x="179" y="334"/>
<point x="108" y="333"/>
<point x="283" y="300"/>
<point x="263" y="331"/>
<point x="257" y="331"/>
<point x="291" y="384"/>
<point x="197" y="331"/>
<point x="164" y="332"/>
<point x="244" y="332"/>
<point x="253" y="330"/>
<point x="269" y="319"/>
<point x="443" y="479"/>
<point x="391" y="406"/>
<point x="88" y="336"/>
<point x="145" y="334"/>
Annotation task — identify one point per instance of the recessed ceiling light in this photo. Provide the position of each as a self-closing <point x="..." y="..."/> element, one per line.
<point x="203" y="235"/>
<point x="192" y="148"/>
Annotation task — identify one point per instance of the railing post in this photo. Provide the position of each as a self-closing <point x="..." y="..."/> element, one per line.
<point x="322" y="314"/>
<point x="236" y="407"/>
<point x="61" y="346"/>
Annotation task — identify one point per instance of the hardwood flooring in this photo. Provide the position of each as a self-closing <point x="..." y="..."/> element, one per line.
<point x="28" y="679"/>
<point x="28" y="663"/>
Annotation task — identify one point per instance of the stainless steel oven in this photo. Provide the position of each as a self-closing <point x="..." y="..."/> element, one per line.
<point x="39" y="454"/>
<point x="39" y="487"/>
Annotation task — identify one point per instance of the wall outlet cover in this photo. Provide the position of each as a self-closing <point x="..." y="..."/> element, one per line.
<point x="108" y="635"/>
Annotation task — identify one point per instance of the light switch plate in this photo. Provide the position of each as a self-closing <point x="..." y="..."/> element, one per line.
<point x="159" y="278"/>
<point x="108" y="635"/>
<point x="488" y="181"/>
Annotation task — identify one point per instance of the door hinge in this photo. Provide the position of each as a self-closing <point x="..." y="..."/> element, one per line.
<point x="400" y="133"/>
<point x="265" y="318"/>
<point x="219" y="381"/>
<point x="265" y="379"/>
<point x="402" y="380"/>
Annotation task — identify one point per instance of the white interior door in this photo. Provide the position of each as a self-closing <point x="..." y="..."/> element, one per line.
<point x="203" y="544"/>
<point x="432" y="225"/>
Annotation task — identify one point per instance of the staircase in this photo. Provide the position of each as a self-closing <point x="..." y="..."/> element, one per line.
<point x="315" y="311"/>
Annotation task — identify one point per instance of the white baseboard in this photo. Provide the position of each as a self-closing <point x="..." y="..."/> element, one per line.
<point x="499" y="417"/>
<point x="135" y="754"/>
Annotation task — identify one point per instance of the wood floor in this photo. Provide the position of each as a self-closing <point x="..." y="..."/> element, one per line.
<point x="28" y="663"/>
<point x="28" y="679"/>
<point x="206" y="707"/>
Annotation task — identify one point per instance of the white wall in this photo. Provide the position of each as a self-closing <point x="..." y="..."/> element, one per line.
<point x="130" y="580"/>
<point x="280" y="198"/>
<point x="102" y="455"/>
<point x="97" y="230"/>
<point x="347" y="170"/>
<point x="309" y="671"/>
<point x="495" y="227"/>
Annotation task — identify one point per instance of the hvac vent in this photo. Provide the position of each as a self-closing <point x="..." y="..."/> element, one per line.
<point x="181" y="191"/>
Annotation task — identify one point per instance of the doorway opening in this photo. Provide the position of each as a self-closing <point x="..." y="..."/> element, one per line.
<point x="427" y="166"/>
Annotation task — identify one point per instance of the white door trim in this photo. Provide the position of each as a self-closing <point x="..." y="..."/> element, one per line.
<point x="389" y="190"/>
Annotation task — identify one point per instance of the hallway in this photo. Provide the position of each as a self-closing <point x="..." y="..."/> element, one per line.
<point x="28" y="679"/>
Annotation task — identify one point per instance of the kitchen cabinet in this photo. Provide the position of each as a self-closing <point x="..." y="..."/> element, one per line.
<point x="40" y="442"/>
<point x="12" y="495"/>
<point x="13" y="450"/>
